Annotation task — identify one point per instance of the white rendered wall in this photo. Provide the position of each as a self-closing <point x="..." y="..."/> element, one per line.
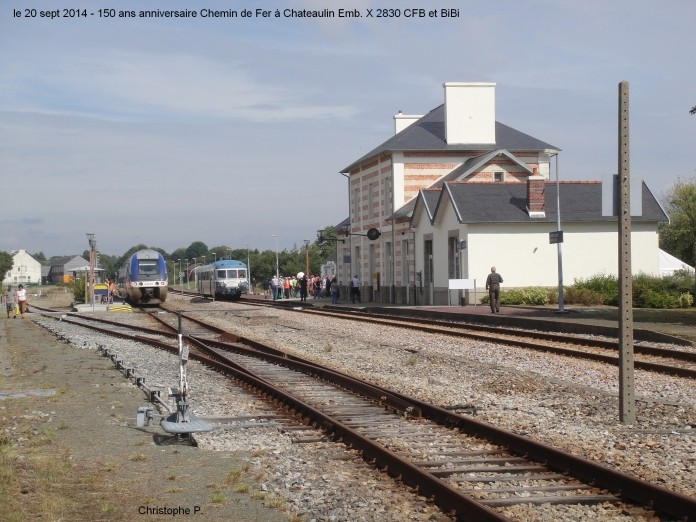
<point x="524" y="257"/>
<point x="25" y="270"/>
<point x="401" y="121"/>
<point x="469" y="113"/>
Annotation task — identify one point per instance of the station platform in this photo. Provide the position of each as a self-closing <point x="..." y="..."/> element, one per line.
<point x="102" y="307"/>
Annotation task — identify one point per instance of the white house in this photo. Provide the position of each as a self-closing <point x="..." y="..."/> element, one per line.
<point x="454" y="192"/>
<point x="25" y="270"/>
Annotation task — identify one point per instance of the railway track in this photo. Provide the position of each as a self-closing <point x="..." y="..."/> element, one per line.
<point x="650" y="358"/>
<point x="469" y="468"/>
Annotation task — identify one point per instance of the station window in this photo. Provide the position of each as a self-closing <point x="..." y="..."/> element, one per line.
<point x="498" y="176"/>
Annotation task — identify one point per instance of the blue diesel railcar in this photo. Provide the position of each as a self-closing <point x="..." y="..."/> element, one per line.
<point x="226" y="279"/>
<point x="143" y="279"/>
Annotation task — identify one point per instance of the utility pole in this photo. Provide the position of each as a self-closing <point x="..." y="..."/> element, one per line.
<point x="89" y="296"/>
<point x="627" y="398"/>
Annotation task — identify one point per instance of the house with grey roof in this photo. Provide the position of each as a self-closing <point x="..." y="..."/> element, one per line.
<point x="64" y="269"/>
<point x="454" y="192"/>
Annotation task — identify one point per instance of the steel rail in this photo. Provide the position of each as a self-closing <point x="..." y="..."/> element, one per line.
<point x="446" y="497"/>
<point x="554" y="337"/>
<point x="425" y="326"/>
<point x="619" y="483"/>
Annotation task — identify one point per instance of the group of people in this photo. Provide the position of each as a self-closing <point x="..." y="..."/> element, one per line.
<point x="112" y="292"/>
<point x="15" y="301"/>
<point x="302" y="287"/>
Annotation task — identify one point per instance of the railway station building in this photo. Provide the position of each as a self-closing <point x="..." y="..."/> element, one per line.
<point x="454" y="192"/>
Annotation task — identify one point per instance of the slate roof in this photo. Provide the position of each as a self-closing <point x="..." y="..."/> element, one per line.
<point x="60" y="260"/>
<point x="507" y="202"/>
<point x="428" y="134"/>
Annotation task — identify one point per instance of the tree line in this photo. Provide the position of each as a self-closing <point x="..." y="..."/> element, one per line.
<point x="263" y="263"/>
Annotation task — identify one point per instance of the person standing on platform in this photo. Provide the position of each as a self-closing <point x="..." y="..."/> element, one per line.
<point x="355" y="289"/>
<point x="22" y="299"/>
<point x="334" y="290"/>
<point x="274" y="287"/>
<point x="493" y="286"/>
<point x="10" y="299"/>
<point x="303" y="288"/>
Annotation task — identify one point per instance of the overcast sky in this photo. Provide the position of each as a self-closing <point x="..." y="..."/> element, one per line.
<point x="229" y="131"/>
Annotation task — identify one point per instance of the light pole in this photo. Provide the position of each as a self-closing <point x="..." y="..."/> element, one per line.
<point x="306" y="244"/>
<point x="561" y="303"/>
<point x="251" y="290"/>
<point x="188" y="285"/>
<point x="230" y="253"/>
<point x="181" y="282"/>
<point x="274" y="236"/>
<point x="92" y="246"/>
<point x="195" y="277"/>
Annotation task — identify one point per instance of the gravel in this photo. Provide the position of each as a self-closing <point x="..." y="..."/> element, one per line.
<point x="571" y="404"/>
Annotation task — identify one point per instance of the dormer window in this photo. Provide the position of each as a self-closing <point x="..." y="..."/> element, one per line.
<point x="499" y="176"/>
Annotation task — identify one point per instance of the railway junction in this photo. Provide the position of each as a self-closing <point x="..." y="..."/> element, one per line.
<point x="287" y="477"/>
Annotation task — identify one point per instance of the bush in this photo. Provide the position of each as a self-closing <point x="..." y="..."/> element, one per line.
<point x="607" y="285"/>
<point x="674" y="291"/>
<point x="686" y="300"/>
<point x="78" y="289"/>
<point x="582" y="296"/>
<point x="519" y="296"/>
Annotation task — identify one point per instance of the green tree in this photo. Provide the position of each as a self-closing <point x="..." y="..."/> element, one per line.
<point x="325" y="246"/>
<point x="221" y="252"/>
<point x="196" y="249"/>
<point x="179" y="253"/>
<point x="6" y="262"/>
<point x="263" y="265"/>
<point x="40" y="257"/>
<point x="678" y="237"/>
<point x="132" y="250"/>
<point x="109" y="264"/>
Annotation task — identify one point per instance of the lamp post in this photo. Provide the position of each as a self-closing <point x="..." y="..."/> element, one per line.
<point x="187" y="275"/>
<point x="230" y="253"/>
<point x="274" y="236"/>
<point x="251" y="289"/>
<point x="306" y="244"/>
<point x="92" y="246"/>
<point x="195" y="261"/>
<point x="181" y="282"/>
<point x="561" y="304"/>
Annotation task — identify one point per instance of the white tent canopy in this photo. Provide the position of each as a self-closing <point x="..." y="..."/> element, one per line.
<point x="669" y="264"/>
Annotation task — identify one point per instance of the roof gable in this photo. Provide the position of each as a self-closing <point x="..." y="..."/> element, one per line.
<point x="580" y="201"/>
<point x="425" y="201"/>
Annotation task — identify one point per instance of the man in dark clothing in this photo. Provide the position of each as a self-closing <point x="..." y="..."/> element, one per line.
<point x="493" y="286"/>
<point x="303" y="288"/>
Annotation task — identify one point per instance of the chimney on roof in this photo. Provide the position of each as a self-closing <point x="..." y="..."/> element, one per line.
<point x="401" y="121"/>
<point x="536" y="186"/>
<point x="469" y="113"/>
